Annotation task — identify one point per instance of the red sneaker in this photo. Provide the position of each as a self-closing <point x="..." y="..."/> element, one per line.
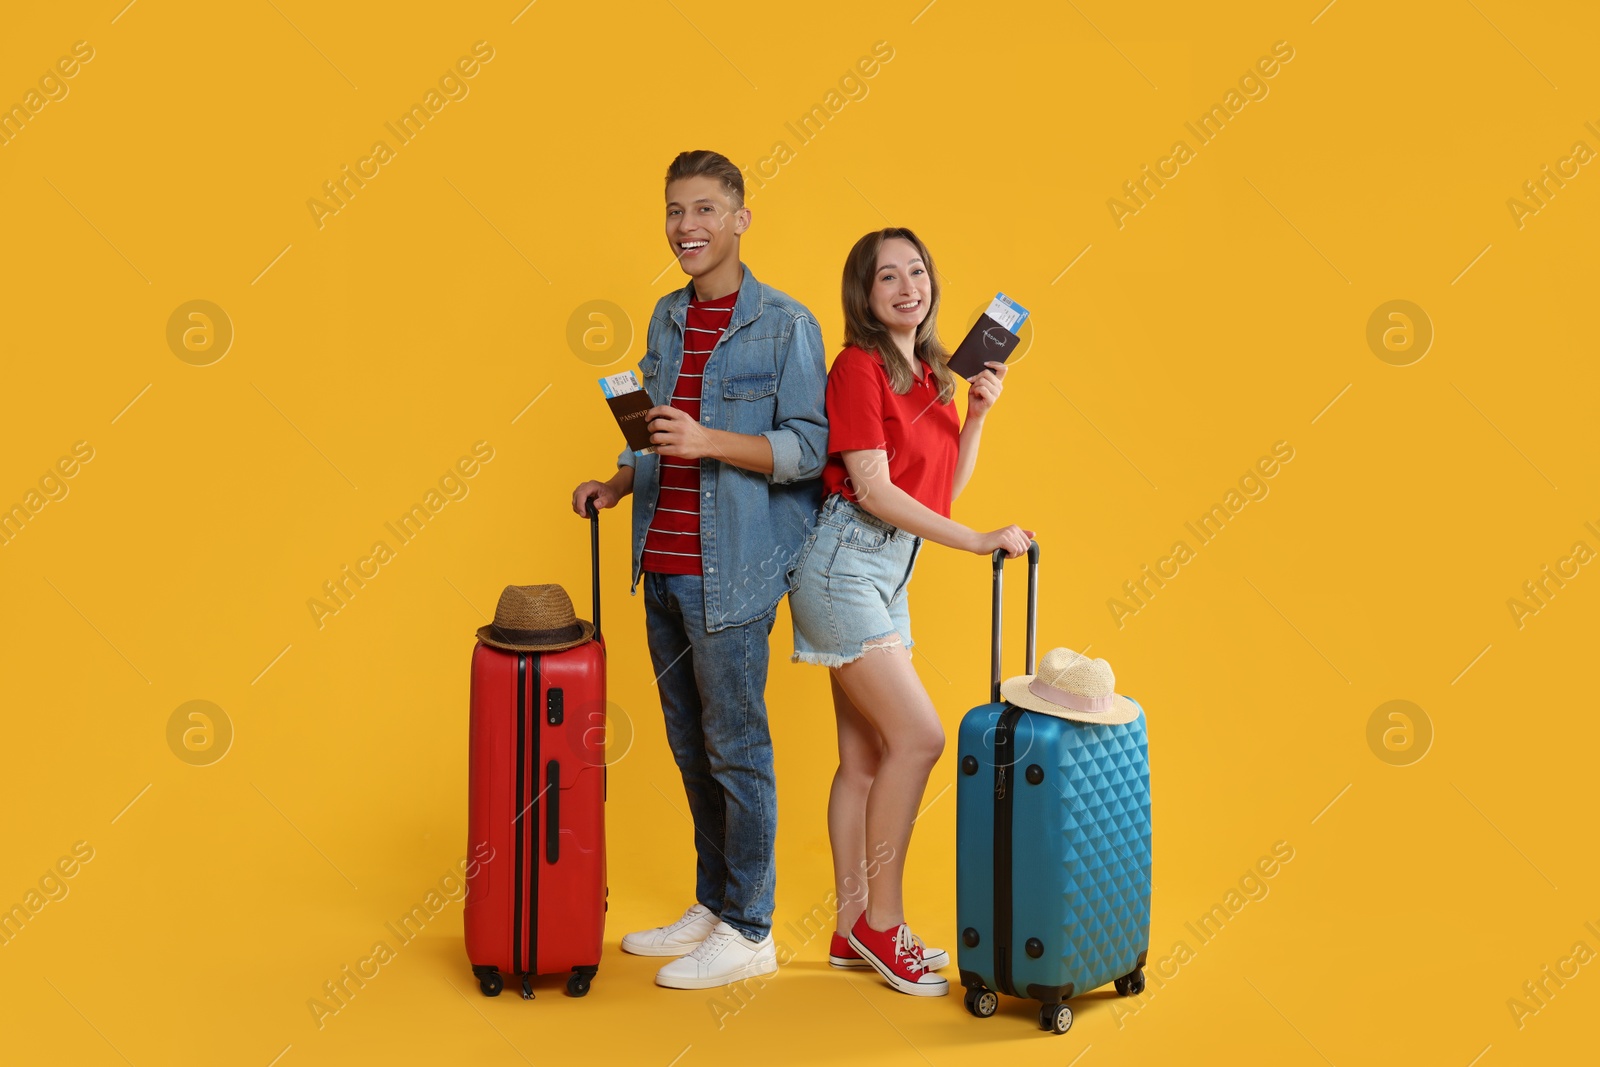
<point x="841" y="955"/>
<point x="897" y="955"/>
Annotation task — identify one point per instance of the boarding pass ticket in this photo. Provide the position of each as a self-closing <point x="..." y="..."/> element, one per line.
<point x="1007" y="312"/>
<point x="619" y="384"/>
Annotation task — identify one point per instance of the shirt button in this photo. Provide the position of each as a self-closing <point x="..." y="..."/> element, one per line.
<point x="708" y="495"/>
<point x="711" y="570"/>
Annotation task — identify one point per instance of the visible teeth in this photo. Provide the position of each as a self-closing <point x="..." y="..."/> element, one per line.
<point x="908" y="307"/>
<point x="689" y="246"/>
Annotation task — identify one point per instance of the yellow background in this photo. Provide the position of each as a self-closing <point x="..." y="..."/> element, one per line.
<point x="369" y="354"/>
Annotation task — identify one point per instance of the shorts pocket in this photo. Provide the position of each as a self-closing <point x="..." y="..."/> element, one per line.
<point x="911" y="567"/>
<point x="816" y="557"/>
<point x="865" y="538"/>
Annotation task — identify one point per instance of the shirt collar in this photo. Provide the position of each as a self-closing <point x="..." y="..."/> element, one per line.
<point x="745" y="309"/>
<point x="926" y="370"/>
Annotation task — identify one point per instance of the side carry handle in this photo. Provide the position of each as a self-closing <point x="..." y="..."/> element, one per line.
<point x="552" y="812"/>
<point x="1033" y="615"/>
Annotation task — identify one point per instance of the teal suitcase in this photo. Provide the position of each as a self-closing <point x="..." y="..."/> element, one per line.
<point x="1052" y="848"/>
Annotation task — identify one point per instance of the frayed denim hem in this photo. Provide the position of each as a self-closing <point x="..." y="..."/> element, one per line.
<point x="892" y="639"/>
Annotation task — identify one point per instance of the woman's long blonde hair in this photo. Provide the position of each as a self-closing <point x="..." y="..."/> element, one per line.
<point x="862" y="328"/>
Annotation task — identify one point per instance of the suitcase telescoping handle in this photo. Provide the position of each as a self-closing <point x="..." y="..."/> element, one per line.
<point x="594" y="559"/>
<point x="1033" y="615"/>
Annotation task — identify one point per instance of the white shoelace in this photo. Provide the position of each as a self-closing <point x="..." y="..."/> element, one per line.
<point x="909" y="946"/>
<point x="714" y="943"/>
<point x="688" y="917"/>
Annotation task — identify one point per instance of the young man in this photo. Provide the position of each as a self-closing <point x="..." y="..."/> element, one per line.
<point x="737" y="373"/>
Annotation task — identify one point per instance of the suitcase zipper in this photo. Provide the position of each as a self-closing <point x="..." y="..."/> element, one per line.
<point x="1004" y="743"/>
<point x="516" y="822"/>
<point x="536" y="725"/>
<point x="525" y="963"/>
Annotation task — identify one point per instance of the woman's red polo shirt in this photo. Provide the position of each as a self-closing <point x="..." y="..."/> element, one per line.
<point x="920" y="435"/>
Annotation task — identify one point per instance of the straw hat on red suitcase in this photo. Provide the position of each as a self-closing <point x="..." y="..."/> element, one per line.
<point x="535" y="618"/>
<point x="1072" y="686"/>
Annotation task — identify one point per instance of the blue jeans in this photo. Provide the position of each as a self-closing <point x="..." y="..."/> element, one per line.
<point x="713" y="697"/>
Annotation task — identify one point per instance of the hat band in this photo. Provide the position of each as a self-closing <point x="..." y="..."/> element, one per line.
<point x="1075" y="701"/>
<point x="570" y="632"/>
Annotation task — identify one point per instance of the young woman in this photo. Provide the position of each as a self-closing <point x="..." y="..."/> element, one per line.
<point x="897" y="457"/>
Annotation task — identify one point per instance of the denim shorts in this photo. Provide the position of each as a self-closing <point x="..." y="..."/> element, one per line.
<point x="848" y="584"/>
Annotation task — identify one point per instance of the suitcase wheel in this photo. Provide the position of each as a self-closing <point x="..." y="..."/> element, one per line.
<point x="491" y="983"/>
<point x="982" y="1002"/>
<point x="578" y="985"/>
<point x="1056" y="1018"/>
<point x="1131" y="985"/>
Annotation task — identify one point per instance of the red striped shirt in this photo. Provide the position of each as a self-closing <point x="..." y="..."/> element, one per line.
<point x="672" y="544"/>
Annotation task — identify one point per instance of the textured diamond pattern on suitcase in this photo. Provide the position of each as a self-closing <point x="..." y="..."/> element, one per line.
<point x="1106" y="813"/>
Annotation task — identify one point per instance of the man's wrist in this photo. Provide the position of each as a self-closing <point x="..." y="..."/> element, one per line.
<point x="715" y="446"/>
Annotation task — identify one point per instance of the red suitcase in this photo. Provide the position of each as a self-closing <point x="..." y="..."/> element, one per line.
<point x="536" y="903"/>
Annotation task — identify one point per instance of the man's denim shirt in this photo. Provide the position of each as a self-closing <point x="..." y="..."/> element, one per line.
<point x="765" y="376"/>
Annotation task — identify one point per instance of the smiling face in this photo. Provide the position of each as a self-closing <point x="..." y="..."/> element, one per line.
<point x="703" y="226"/>
<point x="902" y="288"/>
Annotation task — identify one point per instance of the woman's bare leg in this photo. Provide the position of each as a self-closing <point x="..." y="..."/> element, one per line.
<point x="860" y="750"/>
<point x="885" y="689"/>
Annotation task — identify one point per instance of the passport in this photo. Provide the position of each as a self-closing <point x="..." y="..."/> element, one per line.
<point x="992" y="337"/>
<point x="629" y="401"/>
<point x="987" y="340"/>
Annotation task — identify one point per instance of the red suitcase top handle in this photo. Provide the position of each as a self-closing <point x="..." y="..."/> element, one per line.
<point x="1033" y="615"/>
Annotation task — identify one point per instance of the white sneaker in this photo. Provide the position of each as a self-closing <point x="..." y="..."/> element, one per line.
<point x="725" y="956"/>
<point x="675" y="938"/>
